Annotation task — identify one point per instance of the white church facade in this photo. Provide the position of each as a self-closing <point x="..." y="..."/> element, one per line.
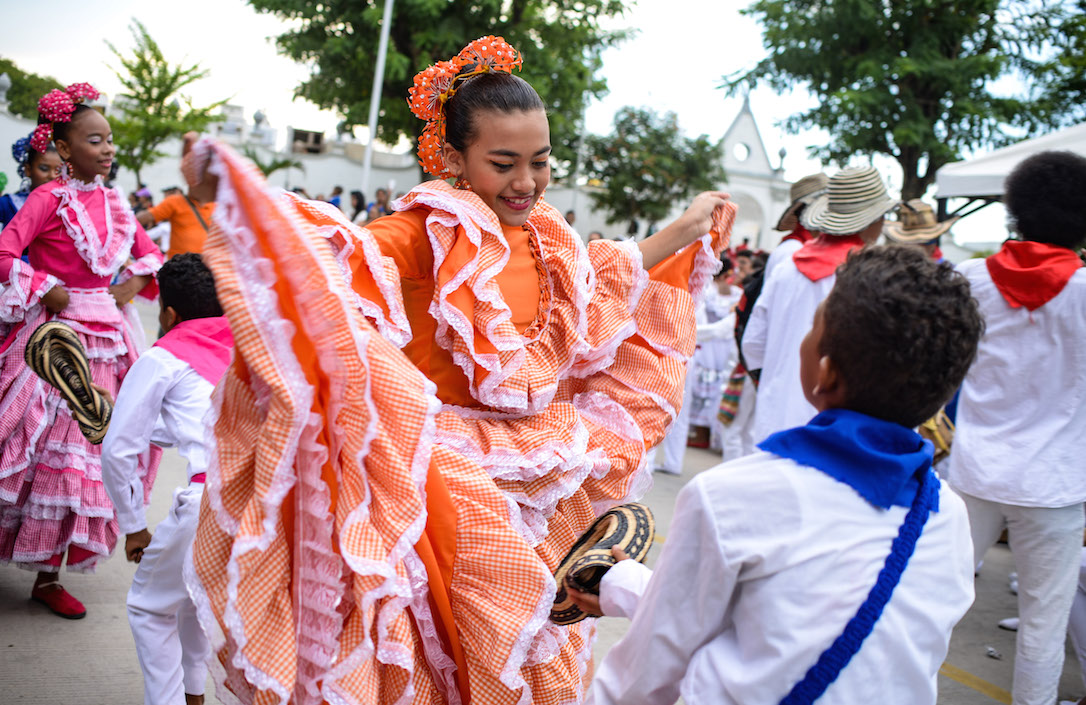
<point x="757" y="187"/>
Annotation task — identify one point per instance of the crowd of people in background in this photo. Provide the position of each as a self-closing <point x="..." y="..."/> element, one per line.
<point x="179" y="223"/>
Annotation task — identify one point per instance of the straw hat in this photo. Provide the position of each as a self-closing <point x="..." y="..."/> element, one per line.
<point x="54" y="353"/>
<point x="804" y="191"/>
<point x="916" y="223"/>
<point x="628" y="526"/>
<point x="854" y="199"/>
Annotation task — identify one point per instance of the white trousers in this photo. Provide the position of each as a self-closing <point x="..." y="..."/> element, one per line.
<point x="1076" y="627"/>
<point x="673" y="447"/>
<point x="170" y="643"/>
<point x="739" y="435"/>
<point x="1046" y="544"/>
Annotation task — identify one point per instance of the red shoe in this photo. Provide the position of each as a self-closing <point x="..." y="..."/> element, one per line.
<point x="59" y="600"/>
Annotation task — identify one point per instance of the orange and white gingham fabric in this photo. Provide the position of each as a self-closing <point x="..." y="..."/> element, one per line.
<point x="506" y="370"/>
<point x="304" y="569"/>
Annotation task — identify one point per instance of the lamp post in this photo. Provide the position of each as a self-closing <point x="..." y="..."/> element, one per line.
<point x="375" y="94"/>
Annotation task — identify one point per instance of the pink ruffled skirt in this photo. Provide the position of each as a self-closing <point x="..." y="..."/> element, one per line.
<point x="52" y="500"/>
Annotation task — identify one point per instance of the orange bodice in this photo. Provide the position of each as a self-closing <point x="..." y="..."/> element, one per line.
<point x="402" y="236"/>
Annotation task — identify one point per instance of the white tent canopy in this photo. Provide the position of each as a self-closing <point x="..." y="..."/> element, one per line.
<point x="983" y="177"/>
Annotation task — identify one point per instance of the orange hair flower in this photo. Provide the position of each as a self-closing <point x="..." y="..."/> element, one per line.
<point x="433" y="86"/>
<point x="436" y="85"/>
<point x="490" y="53"/>
<point x="431" y="158"/>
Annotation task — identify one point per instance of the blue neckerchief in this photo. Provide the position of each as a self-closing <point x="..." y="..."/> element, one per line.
<point x="881" y="460"/>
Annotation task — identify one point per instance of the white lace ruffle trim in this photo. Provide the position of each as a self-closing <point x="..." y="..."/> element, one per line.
<point x="104" y="256"/>
<point x="20" y="295"/>
<point x="573" y="290"/>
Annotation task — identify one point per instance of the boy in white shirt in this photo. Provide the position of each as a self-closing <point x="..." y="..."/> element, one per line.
<point x="1017" y="459"/>
<point x="769" y="557"/>
<point x="163" y="400"/>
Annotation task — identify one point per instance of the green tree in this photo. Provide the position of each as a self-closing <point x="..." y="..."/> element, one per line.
<point x="646" y="166"/>
<point x="561" y="41"/>
<point x="26" y="89"/>
<point x="923" y="81"/>
<point x="273" y="164"/>
<point x="154" y="109"/>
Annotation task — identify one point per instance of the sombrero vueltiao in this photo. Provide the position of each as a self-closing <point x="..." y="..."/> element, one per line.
<point x="54" y="353"/>
<point x="628" y="526"/>
<point x="916" y="224"/>
<point x="802" y="193"/>
<point x="854" y="198"/>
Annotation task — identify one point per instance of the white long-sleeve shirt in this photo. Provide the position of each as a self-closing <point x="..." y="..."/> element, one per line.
<point x="764" y="564"/>
<point x="162" y="401"/>
<point x="782" y="253"/>
<point x="780" y="320"/>
<point x="715" y="319"/>
<point x="1022" y="411"/>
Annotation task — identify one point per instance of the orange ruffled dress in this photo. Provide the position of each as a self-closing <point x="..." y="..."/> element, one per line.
<point x="369" y="536"/>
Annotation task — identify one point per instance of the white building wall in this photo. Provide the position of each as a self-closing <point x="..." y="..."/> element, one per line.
<point x="11" y="129"/>
<point x="398" y="172"/>
<point x="755" y="185"/>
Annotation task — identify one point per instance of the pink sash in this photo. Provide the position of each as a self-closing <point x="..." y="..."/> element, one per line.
<point x="204" y="343"/>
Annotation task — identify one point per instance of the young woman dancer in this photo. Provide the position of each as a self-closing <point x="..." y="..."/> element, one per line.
<point x="382" y="526"/>
<point x="78" y="234"/>
<point x="35" y="169"/>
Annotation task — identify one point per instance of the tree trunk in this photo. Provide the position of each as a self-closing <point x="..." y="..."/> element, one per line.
<point x="913" y="185"/>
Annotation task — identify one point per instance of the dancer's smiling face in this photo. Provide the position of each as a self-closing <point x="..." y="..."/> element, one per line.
<point x="507" y="164"/>
<point x="87" y="144"/>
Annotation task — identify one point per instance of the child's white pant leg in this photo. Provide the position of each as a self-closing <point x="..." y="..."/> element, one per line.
<point x="986" y="522"/>
<point x="160" y="612"/>
<point x="673" y="446"/>
<point x="1076" y="625"/>
<point x="1046" y="544"/>
<point x="195" y="649"/>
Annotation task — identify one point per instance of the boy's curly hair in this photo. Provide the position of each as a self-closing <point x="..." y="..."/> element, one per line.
<point x="185" y="283"/>
<point x="1044" y="196"/>
<point x="902" y="329"/>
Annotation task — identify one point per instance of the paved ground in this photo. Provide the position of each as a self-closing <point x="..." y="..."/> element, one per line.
<point x="50" y="661"/>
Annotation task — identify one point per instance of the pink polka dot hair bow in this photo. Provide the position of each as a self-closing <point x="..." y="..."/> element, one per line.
<point x="58" y="106"/>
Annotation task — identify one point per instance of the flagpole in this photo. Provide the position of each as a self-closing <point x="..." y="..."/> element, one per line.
<point x="375" y="94"/>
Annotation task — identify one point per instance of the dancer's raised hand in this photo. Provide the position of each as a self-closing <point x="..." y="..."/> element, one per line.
<point x="695" y="221"/>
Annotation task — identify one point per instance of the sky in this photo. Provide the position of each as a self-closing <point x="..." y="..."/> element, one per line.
<point x="672" y="63"/>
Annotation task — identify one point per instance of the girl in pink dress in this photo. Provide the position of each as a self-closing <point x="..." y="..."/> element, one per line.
<point x="79" y="234"/>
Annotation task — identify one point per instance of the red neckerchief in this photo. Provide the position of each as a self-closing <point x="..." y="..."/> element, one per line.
<point x="821" y="257"/>
<point x="937" y="254"/>
<point x="1031" y="274"/>
<point x="800" y="234"/>
<point x="203" y="343"/>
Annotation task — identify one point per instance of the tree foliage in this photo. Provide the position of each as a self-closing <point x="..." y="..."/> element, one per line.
<point x="26" y="89"/>
<point x="923" y="81"/>
<point x="561" y="41"/>
<point x="154" y="109"/>
<point x="646" y="166"/>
